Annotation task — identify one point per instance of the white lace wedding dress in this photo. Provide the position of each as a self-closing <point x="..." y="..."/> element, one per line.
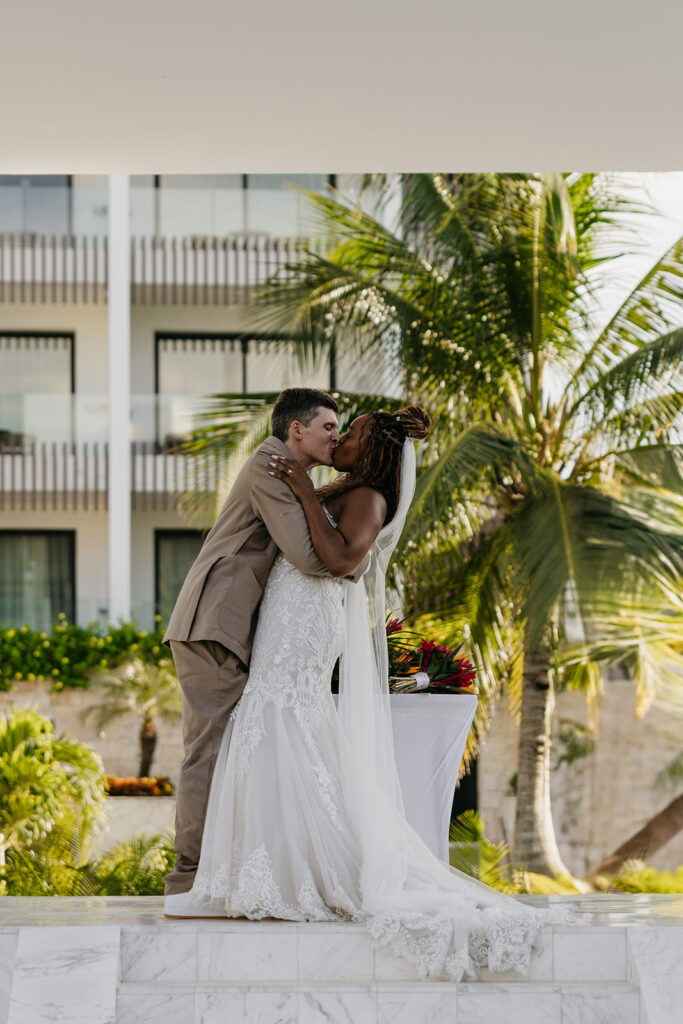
<point x="284" y="837"/>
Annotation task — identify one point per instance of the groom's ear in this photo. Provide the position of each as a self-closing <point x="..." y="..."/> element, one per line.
<point x="295" y="429"/>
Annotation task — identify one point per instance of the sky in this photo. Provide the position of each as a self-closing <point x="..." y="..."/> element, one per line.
<point x="657" y="232"/>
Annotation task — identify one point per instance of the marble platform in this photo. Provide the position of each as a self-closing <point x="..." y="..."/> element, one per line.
<point x="117" y="960"/>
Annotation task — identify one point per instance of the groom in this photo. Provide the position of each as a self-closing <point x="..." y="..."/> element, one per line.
<point x="211" y="630"/>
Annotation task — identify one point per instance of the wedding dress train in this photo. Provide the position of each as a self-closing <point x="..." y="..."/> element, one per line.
<point x="292" y="830"/>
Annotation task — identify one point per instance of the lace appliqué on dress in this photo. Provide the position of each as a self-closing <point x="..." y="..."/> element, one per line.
<point x="500" y="941"/>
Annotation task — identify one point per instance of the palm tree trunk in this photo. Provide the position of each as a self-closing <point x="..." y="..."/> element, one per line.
<point x="650" y="838"/>
<point x="148" y="742"/>
<point x="535" y="846"/>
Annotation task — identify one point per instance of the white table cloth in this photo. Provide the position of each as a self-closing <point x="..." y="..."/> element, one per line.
<point x="430" y="732"/>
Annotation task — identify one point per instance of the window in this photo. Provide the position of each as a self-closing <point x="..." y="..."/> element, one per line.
<point x="36" y="361"/>
<point x="37" y="581"/>
<point x="175" y="551"/>
<point x="36" y="384"/>
<point x="208" y="364"/>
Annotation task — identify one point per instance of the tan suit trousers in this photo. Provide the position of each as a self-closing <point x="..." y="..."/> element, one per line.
<point x="212" y="680"/>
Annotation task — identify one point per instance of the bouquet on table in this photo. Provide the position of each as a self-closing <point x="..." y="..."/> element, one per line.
<point x="417" y="665"/>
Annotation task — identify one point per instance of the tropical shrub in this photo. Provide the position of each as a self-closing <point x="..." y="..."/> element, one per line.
<point x="67" y="656"/>
<point x="51" y="797"/>
<point x="638" y="877"/>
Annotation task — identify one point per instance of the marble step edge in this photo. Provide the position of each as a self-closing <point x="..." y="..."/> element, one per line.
<point x="222" y="925"/>
<point x="431" y="987"/>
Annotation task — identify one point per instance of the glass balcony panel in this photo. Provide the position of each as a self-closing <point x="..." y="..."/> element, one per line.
<point x="11" y="209"/>
<point x="186" y="211"/>
<point x="39" y="418"/>
<point x="46" y="210"/>
<point x="163" y="418"/>
<point x="208" y="181"/>
<point x="143" y="214"/>
<point x="229" y="211"/>
<point x="34" y="203"/>
<point x="90" y="204"/>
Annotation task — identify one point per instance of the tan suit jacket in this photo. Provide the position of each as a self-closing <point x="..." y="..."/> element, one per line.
<point x="220" y="596"/>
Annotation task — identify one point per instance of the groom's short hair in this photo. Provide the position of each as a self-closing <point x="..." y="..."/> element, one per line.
<point x="298" y="404"/>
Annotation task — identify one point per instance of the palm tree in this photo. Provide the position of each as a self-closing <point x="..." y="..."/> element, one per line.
<point x="548" y="502"/>
<point x="140" y="688"/>
<point x="50" y="786"/>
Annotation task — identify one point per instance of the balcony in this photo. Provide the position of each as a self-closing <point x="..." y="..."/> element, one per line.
<point x="187" y="270"/>
<point x="54" y="452"/>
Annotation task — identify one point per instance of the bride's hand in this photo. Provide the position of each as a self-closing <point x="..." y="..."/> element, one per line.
<point x="293" y="475"/>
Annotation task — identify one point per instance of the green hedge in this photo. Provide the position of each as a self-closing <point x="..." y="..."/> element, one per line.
<point x="67" y="655"/>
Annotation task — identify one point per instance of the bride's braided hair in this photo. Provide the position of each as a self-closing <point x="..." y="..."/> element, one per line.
<point x="382" y="451"/>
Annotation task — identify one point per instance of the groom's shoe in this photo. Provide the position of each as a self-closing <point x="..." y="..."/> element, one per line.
<point x="185" y="904"/>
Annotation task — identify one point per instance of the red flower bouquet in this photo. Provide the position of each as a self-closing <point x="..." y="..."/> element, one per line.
<point x="417" y="665"/>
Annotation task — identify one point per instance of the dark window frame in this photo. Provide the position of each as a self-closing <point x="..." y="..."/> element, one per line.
<point x="236" y="337"/>
<point x="71" y="536"/>
<point x="161" y="532"/>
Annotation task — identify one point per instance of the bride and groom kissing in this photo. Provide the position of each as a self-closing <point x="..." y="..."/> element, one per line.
<point x="288" y="806"/>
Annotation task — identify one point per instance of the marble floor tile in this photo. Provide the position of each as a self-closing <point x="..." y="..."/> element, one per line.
<point x="331" y="956"/>
<point x="260" y="955"/>
<point x="417" y="1004"/>
<point x="250" y="1004"/>
<point x="653" y="950"/>
<point x="8" y="948"/>
<point x="593" y="954"/>
<point x="75" y="951"/>
<point x="661" y="999"/>
<point x="67" y="1000"/>
<point x="541" y="964"/>
<point x="343" y="1005"/>
<point x="484" y="1003"/>
<point x="601" y="1004"/>
<point x="138" y="1004"/>
<point x="150" y="954"/>
<point x="65" y="975"/>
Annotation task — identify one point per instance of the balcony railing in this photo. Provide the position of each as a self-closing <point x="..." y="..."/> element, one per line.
<point x="54" y="452"/>
<point x="50" y="268"/>
<point x="52" y="476"/>
<point x="207" y="270"/>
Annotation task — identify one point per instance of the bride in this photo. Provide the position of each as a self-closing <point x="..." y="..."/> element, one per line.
<point x="305" y="819"/>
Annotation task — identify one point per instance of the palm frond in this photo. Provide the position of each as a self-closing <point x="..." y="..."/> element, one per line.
<point x="652" y="308"/>
<point x="462" y="461"/>
<point x="600" y="548"/>
<point x="471" y="852"/>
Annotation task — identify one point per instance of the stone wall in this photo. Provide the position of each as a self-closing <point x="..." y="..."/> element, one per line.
<point x="129" y="816"/>
<point x="600" y="800"/>
<point x="118" y="745"/>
